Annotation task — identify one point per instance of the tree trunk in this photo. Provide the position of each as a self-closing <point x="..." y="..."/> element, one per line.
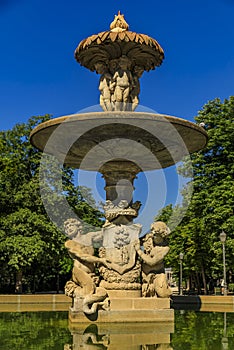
<point x="18" y="282"/>
<point x="198" y="283"/>
<point x="34" y="284"/>
<point x="204" y="280"/>
<point x="57" y="283"/>
<point x="192" y="283"/>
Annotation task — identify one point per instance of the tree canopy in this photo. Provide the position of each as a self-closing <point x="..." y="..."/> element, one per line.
<point x="211" y="208"/>
<point x="30" y="244"/>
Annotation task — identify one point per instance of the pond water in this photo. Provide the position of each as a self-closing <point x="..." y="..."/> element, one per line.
<point x="50" y="330"/>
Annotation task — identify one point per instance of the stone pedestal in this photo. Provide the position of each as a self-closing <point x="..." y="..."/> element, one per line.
<point x="127" y="310"/>
<point x="119" y="176"/>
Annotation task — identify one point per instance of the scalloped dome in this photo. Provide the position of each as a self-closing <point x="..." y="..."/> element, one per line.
<point x="141" y="49"/>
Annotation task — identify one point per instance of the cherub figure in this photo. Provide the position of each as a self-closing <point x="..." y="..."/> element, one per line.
<point x="153" y="272"/>
<point x="134" y="95"/>
<point x="104" y="88"/>
<point x="121" y="84"/>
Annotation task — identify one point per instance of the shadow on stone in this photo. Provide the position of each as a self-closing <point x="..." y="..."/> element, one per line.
<point x="181" y="302"/>
<point x="92" y="317"/>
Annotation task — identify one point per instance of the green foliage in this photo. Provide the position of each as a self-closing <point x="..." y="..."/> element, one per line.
<point x="29" y="241"/>
<point x="165" y="214"/>
<point x="49" y="330"/>
<point x="212" y="203"/>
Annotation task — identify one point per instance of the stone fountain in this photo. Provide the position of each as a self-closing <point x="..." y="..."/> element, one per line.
<point x="126" y="280"/>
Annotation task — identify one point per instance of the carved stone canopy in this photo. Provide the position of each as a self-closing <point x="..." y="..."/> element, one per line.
<point x="106" y="46"/>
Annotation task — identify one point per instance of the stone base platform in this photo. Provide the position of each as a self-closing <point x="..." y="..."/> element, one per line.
<point x="128" y="310"/>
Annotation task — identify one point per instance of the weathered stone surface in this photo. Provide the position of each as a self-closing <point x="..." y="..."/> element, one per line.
<point x="108" y="45"/>
<point x="155" y="244"/>
<point x="141" y="314"/>
<point x="112" y="281"/>
<point x="121" y="57"/>
<point x="114" y="213"/>
<point x="139" y="303"/>
<point x="83" y="286"/>
<point x="89" y="140"/>
<point x="38" y="302"/>
<point x="123" y="269"/>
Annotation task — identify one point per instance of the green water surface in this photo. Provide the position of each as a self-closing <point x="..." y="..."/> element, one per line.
<point x="49" y="330"/>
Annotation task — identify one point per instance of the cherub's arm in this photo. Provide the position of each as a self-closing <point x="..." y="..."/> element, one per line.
<point x="112" y="82"/>
<point x="115" y="76"/>
<point x="108" y="78"/>
<point x="73" y="247"/>
<point x="93" y="259"/>
<point x="96" y="236"/>
<point x="130" y="78"/>
<point x="153" y="259"/>
<point x="74" y="250"/>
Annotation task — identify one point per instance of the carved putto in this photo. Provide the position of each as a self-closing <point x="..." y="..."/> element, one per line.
<point x="83" y="286"/>
<point x="121" y="263"/>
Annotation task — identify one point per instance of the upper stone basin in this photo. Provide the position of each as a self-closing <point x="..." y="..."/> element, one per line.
<point x="89" y="140"/>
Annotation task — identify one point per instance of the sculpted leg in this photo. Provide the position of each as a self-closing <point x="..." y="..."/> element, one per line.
<point x="83" y="279"/>
<point x="161" y="286"/>
<point x="92" y="301"/>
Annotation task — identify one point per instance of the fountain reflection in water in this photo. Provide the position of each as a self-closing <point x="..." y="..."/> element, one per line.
<point x="50" y="330"/>
<point x="122" y="336"/>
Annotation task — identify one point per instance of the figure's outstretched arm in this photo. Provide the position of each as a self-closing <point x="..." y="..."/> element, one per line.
<point x="93" y="259"/>
<point x="96" y="236"/>
<point x="158" y="257"/>
<point x="73" y="247"/>
<point x="75" y="250"/>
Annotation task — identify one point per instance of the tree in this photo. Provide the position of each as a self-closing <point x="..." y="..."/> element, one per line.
<point x="212" y="203"/>
<point x="30" y="244"/>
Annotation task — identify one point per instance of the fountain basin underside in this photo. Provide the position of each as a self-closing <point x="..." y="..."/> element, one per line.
<point x="89" y="140"/>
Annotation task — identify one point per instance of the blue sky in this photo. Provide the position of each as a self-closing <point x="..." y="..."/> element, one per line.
<point x="39" y="75"/>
